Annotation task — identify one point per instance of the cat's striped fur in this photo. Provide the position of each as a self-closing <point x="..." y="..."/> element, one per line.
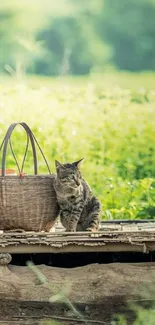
<point x="79" y="208"/>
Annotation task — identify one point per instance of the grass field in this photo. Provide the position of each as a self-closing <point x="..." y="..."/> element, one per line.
<point x="109" y="120"/>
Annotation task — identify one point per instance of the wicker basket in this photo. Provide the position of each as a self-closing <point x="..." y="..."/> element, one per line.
<point x="26" y="202"/>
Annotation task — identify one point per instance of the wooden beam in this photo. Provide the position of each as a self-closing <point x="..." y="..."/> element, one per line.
<point x="109" y="247"/>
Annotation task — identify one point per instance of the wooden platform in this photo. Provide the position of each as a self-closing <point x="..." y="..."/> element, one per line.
<point x="114" y="236"/>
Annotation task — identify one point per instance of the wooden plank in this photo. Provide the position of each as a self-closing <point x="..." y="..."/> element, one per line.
<point x="127" y="228"/>
<point x="78" y="234"/>
<point x="118" y="221"/>
<point x="115" y="238"/>
<point x="110" y="247"/>
<point x="121" y="238"/>
<point x="81" y="247"/>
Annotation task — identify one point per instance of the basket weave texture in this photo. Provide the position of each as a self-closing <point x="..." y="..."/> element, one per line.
<point x="26" y="202"/>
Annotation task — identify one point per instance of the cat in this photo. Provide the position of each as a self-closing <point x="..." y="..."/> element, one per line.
<point x="79" y="209"/>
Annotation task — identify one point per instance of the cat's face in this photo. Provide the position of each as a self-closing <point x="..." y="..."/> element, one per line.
<point x="69" y="174"/>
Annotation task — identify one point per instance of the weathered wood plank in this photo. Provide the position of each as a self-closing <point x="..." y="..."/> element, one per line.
<point x="77" y="248"/>
<point x="132" y="237"/>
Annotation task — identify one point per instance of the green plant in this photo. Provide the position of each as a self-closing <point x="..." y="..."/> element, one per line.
<point x="74" y="118"/>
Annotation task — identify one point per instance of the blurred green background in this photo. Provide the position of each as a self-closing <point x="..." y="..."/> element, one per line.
<point x="77" y="37"/>
<point x="80" y="73"/>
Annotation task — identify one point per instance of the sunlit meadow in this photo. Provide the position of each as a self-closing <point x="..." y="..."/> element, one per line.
<point x="110" y="122"/>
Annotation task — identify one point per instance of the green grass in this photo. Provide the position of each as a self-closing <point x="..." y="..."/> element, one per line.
<point x="108" y="120"/>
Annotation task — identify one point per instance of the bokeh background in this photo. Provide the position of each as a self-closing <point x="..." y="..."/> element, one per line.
<point x="77" y="37"/>
<point x="81" y="74"/>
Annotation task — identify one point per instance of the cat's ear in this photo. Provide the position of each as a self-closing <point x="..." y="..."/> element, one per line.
<point x="58" y="165"/>
<point x="78" y="163"/>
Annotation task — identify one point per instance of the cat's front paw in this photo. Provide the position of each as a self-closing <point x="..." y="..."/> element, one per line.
<point x="90" y="229"/>
<point x="93" y="232"/>
<point x="71" y="230"/>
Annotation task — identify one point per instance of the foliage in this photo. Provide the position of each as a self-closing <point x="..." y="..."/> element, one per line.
<point x="77" y="37"/>
<point x="128" y="26"/>
<point x="143" y="316"/>
<point x="72" y="44"/>
<point x="112" y="129"/>
<point x="70" y="47"/>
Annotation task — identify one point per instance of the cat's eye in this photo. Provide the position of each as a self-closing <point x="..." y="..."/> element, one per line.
<point x="64" y="179"/>
<point x="71" y="176"/>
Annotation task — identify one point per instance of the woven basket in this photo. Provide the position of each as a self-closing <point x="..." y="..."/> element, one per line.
<point x="26" y="202"/>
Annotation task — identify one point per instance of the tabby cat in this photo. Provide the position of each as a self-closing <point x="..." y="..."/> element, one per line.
<point x="79" y="208"/>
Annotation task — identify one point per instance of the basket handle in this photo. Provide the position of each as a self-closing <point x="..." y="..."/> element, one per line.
<point x="30" y="135"/>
